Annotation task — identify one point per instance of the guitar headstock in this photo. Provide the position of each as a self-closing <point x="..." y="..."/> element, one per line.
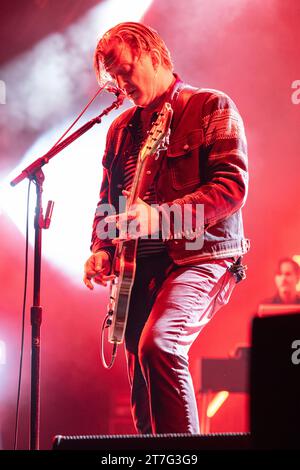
<point x="158" y="135"/>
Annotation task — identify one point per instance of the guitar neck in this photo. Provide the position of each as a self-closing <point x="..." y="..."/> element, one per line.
<point x="134" y="191"/>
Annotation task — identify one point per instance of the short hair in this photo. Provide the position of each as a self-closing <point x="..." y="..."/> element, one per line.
<point x="295" y="265"/>
<point x="138" y="36"/>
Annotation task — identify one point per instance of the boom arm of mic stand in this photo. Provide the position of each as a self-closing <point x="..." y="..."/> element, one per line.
<point x="31" y="169"/>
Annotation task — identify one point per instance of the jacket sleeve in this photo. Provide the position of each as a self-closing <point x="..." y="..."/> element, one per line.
<point x="226" y="174"/>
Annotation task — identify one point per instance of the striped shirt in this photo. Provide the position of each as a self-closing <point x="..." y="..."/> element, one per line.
<point x="146" y="246"/>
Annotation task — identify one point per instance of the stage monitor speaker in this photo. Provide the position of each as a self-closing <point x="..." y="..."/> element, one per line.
<point x="159" y="442"/>
<point x="275" y="382"/>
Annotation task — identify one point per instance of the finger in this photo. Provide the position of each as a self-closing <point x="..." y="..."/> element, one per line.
<point x="110" y="277"/>
<point x="125" y="216"/>
<point x="120" y="218"/>
<point x="101" y="283"/>
<point x="111" y="218"/>
<point x="105" y="277"/>
<point x="103" y="280"/>
<point x="131" y="215"/>
<point x="88" y="282"/>
<point x="89" y="266"/>
<point x="115" y="241"/>
<point x="89" y="273"/>
<point x="125" y="193"/>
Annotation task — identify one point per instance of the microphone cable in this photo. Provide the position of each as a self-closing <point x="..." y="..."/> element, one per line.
<point x="23" y="320"/>
<point x="114" y="90"/>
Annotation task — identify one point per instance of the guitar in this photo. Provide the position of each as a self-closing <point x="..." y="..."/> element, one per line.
<point x="124" y="262"/>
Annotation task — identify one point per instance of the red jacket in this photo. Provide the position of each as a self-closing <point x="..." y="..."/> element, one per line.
<point x="205" y="163"/>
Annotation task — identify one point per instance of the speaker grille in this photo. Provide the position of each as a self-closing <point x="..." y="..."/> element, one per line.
<point x="226" y="441"/>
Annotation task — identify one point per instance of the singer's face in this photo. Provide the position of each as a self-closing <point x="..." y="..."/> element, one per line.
<point x="133" y="72"/>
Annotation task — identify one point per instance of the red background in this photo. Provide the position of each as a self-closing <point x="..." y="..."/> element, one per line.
<point x="251" y="53"/>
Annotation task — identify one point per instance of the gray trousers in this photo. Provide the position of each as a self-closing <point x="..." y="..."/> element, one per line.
<point x="169" y="306"/>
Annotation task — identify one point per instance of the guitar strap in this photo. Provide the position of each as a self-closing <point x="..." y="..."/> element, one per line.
<point x="179" y="100"/>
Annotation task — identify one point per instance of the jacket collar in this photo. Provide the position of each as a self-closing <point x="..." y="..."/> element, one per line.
<point x="170" y="95"/>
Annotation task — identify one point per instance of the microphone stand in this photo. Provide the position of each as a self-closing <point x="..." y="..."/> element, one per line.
<point x="34" y="173"/>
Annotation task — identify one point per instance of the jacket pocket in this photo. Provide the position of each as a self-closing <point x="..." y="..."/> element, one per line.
<point x="183" y="157"/>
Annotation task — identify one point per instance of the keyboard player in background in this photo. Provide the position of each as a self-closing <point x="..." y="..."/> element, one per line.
<point x="286" y="279"/>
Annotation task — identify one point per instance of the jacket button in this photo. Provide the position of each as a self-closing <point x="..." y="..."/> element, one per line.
<point x="186" y="147"/>
<point x="148" y="172"/>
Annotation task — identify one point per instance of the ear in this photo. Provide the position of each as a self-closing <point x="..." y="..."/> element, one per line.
<point x="156" y="58"/>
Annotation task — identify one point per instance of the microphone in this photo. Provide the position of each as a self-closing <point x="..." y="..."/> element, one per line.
<point x="120" y="94"/>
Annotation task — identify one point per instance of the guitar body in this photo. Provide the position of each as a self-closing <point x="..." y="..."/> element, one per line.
<point x="124" y="263"/>
<point x="124" y="266"/>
